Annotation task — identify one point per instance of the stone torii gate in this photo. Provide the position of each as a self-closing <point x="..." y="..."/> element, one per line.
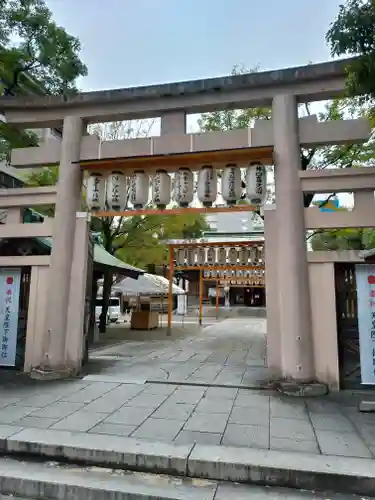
<point x="283" y="136"/>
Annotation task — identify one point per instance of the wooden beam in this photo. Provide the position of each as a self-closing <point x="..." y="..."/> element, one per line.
<point x="240" y="278"/>
<point x="175" y="211"/>
<point x="171" y="162"/>
<point x="226" y="244"/>
<point x="218" y="268"/>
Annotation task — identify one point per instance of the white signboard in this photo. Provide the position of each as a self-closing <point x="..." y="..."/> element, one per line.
<point x="365" y="278"/>
<point x="10" y="280"/>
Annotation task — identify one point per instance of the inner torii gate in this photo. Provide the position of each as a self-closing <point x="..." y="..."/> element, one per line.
<point x="220" y="257"/>
<point x="285" y="228"/>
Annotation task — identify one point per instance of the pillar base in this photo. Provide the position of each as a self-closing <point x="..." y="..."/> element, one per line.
<point x="300" y="388"/>
<point x="50" y="374"/>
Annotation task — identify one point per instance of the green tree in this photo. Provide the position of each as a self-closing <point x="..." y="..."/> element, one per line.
<point x="142" y="239"/>
<point x="344" y="239"/>
<point x="36" y="57"/>
<point x="352" y="33"/>
<point x="34" y="44"/>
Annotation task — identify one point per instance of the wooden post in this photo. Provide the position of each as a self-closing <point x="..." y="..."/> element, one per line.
<point x="200" y="296"/>
<point x="170" y="289"/>
<point x="217" y="299"/>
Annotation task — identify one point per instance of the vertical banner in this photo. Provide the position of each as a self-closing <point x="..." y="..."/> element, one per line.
<point x="365" y="278"/>
<point x="10" y="280"/>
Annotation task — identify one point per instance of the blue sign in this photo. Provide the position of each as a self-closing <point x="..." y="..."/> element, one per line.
<point x="10" y="281"/>
<point x="330" y="206"/>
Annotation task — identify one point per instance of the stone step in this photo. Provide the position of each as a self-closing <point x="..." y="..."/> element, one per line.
<point x="216" y="463"/>
<point x="31" y="481"/>
<point x="57" y="482"/>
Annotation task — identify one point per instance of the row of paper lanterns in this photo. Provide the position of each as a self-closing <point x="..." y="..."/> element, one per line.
<point x="233" y="256"/>
<point x="233" y="274"/>
<point x="111" y="191"/>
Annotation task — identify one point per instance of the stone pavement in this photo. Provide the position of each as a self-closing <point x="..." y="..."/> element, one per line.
<point x="117" y="400"/>
<point x="230" y="353"/>
<point x="185" y="414"/>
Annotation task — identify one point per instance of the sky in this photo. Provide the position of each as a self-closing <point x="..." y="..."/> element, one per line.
<point x="129" y="43"/>
<point x="142" y="42"/>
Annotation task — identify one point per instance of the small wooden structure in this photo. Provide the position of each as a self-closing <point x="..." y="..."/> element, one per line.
<point x="143" y="317"/>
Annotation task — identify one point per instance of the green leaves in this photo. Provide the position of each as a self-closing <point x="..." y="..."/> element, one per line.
<point x="353" y="34"/>
<point x="344" y="239"/>
<point x="141" y="240"/>
<point x="33" y="43"/>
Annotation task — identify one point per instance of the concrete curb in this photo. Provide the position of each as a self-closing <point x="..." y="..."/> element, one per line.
<point x="243" y="465"/>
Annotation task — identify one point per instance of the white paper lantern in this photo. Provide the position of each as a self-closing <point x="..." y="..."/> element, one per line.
<point x="231" y="189"/>
<point x="116" y="191"/>
<point x="183" y="187"/>
<point x="139" y="189"/>
<point x="207" y="185"/>
<point x="210" y="256"/>
<point x="232" y="256"/>
<point x="201" y="256"/>
<point x="191" y="256"/>
<point x="256" y="184"/>
<point x="243" y="256"/>
<point x="180" y="256"/>
<point x="96" y="192"/>
<point x="222" y="256"/>
<point x="161" y="189"/>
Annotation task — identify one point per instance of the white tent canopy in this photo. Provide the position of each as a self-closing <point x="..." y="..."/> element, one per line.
<point x="146" y="284"/>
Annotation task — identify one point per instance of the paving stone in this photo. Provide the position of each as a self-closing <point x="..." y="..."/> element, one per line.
<point x="165" y="389"/>
<point x="292" y="429"/>
<point x="149" y="400"/>
<point x="157" y="429"/>
<point x="221" y="393"/>
<point x="39" y="400"/>
<point x="245" y="398"/>
<point x="326" y="422"/>
<point x="287" y="409"/>
<point x="189" y="437"/>
<point x="206" y="405"/>
<point x="286" y="444"/>
<point x="250" y="416"/>
<point x="177" y="411"/>
<point x="323" y="407"/>
<point x="188" y="397"/>
<point x="80" y="421"/>
<point x="4" y="403"/>
<point x="9" y="430"/>
<point x="252" y="436"/>
<point x="57" y="410"/>
<point x="207" y="422"/>
<point x="37" y="422"/>
<point x="91" y="392"/>
<point x="360" y="418"/>
<point x="113" y="429"/>
<point x="129" y="415"/>
<point x="114" y="399"/>
<point x="11" y="414"/>
<point x="367" y="432"/>
<point x="348" y="445"/>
